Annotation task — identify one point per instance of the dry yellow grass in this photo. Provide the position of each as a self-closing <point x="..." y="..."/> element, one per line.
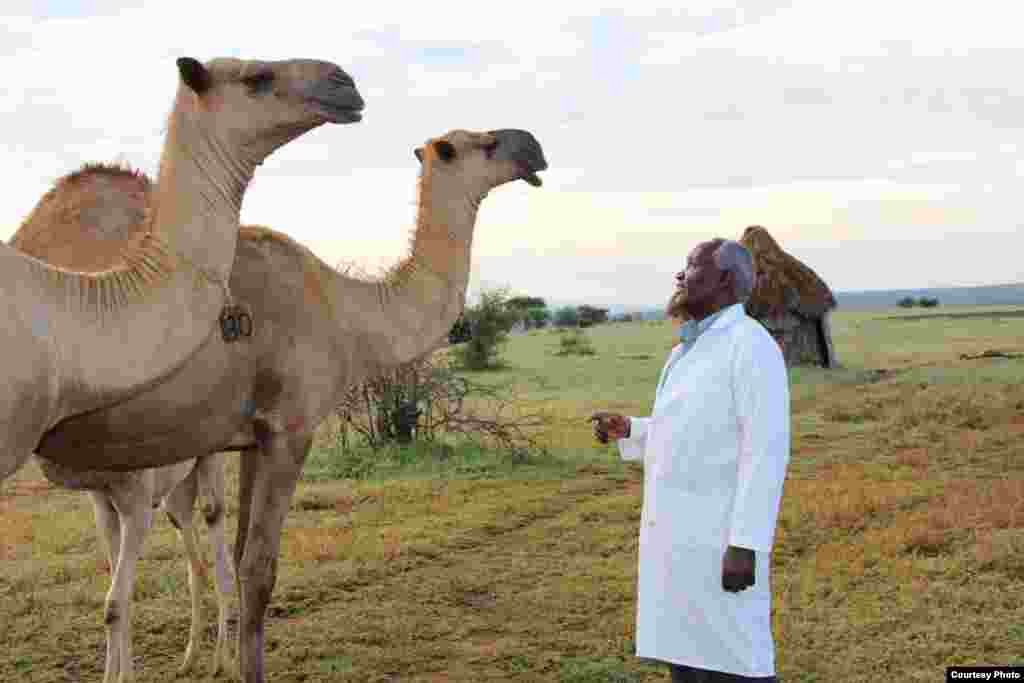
<point x="900" y="546"/>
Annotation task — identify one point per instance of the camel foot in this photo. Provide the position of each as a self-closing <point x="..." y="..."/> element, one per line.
<point x="190" y="660"/>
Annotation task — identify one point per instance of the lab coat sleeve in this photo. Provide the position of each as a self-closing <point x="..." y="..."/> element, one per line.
<point x="761" y="395"/>
<point x="632" y="448"/>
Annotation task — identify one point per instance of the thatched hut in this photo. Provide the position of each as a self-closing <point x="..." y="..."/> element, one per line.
<point x="791" y="301"/>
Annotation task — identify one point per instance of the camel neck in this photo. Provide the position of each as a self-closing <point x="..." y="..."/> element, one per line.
<point x="199" y="190"/>
<point x="409" y="312"/>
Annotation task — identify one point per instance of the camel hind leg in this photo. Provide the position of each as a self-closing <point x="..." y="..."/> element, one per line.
<point x="108" y="523"/>
<point x="212" y="488"/>
<point x="133" y="504"/>
<point x="179" y="505"/>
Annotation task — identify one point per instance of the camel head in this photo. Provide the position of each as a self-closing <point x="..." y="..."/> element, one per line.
<point x="257" y="106"/>
<point x="479" y="162"/>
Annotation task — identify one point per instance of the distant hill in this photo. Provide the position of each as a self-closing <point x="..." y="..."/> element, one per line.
<point x="993" y="295"/>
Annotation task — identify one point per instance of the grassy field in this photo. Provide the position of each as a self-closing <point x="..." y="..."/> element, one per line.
<point x="900" y="546"/>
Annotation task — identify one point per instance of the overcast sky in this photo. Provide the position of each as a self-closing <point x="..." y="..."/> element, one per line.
<point x="880" y="142"/>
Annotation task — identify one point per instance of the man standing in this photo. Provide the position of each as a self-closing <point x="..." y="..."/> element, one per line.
<point x="715" y="450"/>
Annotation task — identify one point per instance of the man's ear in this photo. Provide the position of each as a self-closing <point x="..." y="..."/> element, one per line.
<point x="728" y="282"/>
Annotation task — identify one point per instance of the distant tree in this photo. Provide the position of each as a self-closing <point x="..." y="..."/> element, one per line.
<point x="526" y="302"/>
<point x="537" y="316"/>
<point x="926" y="302"/>
<point x="460" y="331"/>
<point x="625" y="317"/>
<point x="567" y="316"/>
<point x="907" y="302"/>
<point x="522" y="306"/>
<point x="490" y="322"/>
<point x="591" y="315"/>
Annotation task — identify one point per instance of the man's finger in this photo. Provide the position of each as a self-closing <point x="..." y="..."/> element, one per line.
<point x="734" y="583"/>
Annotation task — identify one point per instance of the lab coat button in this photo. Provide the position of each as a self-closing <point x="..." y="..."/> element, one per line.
<point x="651" y="523"/>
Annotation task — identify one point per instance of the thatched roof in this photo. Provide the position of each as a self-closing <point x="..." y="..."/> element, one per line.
<point x="783" y="283"/>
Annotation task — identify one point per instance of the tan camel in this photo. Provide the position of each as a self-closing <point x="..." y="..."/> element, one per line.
<point x="315" y="333"/>
<point x="123" y="503"/>
<point x="76" y="341"/>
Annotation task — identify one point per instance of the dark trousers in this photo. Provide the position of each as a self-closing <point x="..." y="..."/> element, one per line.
<point x="687" y="674"/>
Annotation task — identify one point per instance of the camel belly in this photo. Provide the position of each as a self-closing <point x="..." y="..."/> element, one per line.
<point x="196" y="412"/>
<point x="76" y="448"/>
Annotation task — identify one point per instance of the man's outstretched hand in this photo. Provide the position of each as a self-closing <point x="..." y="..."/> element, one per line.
<point x="738" y="566"/>
<point x="609" y="426"/>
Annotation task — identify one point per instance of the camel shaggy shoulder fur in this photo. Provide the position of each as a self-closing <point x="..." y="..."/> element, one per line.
<point x="77" y="341"/>
<point x="315" y="333"/>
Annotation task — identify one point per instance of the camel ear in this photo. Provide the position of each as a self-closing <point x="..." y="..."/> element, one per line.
<point x="419" y="154"/>
<point x="195" y="75"/>
<point x="445" y="150"/>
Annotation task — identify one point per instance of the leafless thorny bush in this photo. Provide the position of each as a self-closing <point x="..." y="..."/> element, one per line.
<point x="426" y="398"/>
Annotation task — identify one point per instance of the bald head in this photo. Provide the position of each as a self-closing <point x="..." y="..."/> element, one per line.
<point x="718" y="273"/>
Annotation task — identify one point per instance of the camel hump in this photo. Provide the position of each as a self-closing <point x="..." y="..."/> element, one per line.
<point x="261" y="233"/>
<point x="88" y="218"/>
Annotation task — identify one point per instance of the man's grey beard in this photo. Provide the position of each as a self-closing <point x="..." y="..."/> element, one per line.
<point x="676" y="306"/>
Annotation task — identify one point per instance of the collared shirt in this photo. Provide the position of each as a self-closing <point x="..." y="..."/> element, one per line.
<point x="689" y="332"/>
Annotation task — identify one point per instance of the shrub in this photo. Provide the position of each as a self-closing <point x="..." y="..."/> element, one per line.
<point x="460" y="331"/>
<point x="907" y="302"/>
<point x="489" y="323"/>
<point x="537" y="317"/>
<point x="574" y="342"/>
<point x="425" y="399"/>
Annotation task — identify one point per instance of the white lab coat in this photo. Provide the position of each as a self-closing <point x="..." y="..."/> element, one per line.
<point x="715" y="450"/>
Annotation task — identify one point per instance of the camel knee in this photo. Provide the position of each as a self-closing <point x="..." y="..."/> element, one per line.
<point x="113" y="614"/>
<point x="213" y="513"/>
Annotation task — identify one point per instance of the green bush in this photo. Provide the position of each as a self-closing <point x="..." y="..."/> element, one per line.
<point x="575" y="342"/>
<point x="489" y="322"/>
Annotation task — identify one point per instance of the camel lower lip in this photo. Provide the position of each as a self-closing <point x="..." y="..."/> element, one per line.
<point x="345" y="116"/>
<point x="340" y="114"/>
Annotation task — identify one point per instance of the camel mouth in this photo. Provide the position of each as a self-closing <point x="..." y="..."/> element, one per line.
<point x="336" y="99"/>
<point x="341" y="115"/>
<point x="532" y="167"/>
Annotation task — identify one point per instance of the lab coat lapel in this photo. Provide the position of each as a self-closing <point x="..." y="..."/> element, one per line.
<point x="673" y="356"/>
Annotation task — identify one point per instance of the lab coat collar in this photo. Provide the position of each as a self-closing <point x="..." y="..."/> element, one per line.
<point x="729" y="315"/>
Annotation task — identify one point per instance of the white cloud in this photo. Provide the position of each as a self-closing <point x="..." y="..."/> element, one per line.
<point x="868" y="122"/>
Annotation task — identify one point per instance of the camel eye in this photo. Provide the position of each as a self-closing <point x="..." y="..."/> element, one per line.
<point x="445" y="150"/>
<point x="259" y="83"/>
<point x="490" y="148"/>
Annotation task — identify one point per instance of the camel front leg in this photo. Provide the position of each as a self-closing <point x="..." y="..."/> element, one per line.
<point x="246" y="475"/>
<point x="134" y="505"/>
<point x="274" y="474"/>
<point x="212" y="487"/>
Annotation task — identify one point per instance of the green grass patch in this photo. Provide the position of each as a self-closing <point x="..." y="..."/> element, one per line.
<point x="898" y="550"/>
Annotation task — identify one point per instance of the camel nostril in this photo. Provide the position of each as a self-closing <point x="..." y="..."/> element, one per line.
<point x="342" y="78"/>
